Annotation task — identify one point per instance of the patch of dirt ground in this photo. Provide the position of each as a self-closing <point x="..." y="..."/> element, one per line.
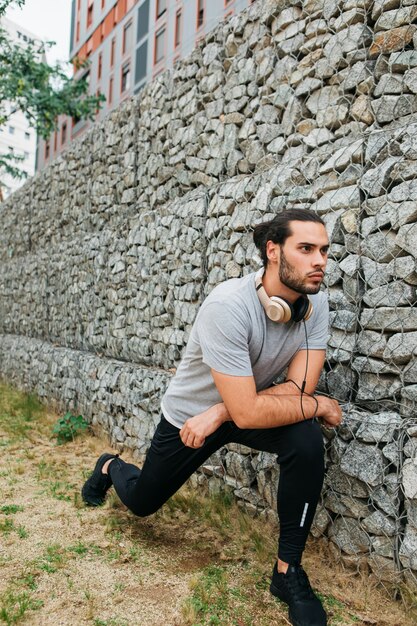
<point x="199" y="561"/>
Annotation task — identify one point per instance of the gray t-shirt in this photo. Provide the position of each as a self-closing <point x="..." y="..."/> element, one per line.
<point x="233" y="335"/>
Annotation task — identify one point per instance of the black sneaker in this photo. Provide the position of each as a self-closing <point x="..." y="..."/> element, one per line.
<point x="95" y="488"/>
<point x="304" y="607"/>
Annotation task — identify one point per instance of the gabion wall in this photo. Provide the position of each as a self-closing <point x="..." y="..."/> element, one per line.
<point x="107" y="254"/>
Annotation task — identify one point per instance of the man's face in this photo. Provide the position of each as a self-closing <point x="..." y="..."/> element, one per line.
<point x="303" y="257"/>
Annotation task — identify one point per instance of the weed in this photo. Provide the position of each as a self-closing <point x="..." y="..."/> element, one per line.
<point x="18" y="411"/>
<point x="79" y="548"/>
<point x="59" y="490"/>
<point x="7" y="526"/>
<point x="10" y="509"/>
<point x="113" y="621"/>
<point x="53" y="558"/>
<point x="14" y="606"/>
<point x="68" y="427"/>
<point x="22" y="532"/>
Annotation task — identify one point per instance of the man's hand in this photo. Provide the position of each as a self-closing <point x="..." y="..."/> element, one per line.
<point x="195" y="430"/>
<point x="329" y="411"/>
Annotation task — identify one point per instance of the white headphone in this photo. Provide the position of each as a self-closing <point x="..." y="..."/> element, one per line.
<point x="280" y="310"/>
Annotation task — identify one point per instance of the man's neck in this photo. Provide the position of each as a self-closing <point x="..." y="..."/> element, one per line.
<point x="274" y="287"/>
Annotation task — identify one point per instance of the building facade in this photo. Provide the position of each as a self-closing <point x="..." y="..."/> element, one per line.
<point x="16" y="136"/>
<point x="127" y="44"/>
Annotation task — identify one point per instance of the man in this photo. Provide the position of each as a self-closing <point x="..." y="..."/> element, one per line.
<point x="247" y="332"/>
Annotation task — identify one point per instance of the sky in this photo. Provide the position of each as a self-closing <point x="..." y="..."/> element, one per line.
<point x="49" y="20"/>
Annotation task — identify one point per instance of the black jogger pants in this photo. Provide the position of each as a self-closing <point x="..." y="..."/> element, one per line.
<point x="169" y="463"/>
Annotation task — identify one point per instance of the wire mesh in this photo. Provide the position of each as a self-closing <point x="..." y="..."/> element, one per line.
<point x="109" y="252"/>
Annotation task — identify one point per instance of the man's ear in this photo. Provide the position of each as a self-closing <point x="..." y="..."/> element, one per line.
<point x="273" y="251"/>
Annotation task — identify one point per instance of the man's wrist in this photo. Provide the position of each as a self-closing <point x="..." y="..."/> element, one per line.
<point x="222" y="414"/>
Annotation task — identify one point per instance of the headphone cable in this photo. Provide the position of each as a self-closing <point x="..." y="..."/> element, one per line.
<point x="303" y="385"/>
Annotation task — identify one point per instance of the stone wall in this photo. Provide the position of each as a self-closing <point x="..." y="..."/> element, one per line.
<point x="107" y="253"/>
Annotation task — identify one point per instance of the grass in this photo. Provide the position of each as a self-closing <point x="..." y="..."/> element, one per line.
<point x="200" y="561"/>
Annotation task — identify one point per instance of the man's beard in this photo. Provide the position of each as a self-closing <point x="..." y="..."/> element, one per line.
<point x="289" y="277"/>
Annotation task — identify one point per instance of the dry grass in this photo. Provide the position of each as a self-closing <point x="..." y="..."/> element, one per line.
<point x="197" y="562"/>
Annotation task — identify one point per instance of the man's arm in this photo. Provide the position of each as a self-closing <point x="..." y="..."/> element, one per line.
<point x="251" y="409"/>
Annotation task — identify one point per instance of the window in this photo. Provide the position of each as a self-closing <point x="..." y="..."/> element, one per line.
<point x="11" y="130"/>
<point x="143" y="20"/>
<point x="26" y="156"/>
<point x="178" y="28"/>
<point x="27" y="135"/>
<point x="100" y="65"/>
<point x="127" y="37"/>
<point x="160" y="45"/>
<point x="103" y="2"/>
<point x="125" y="77"/>
<point x="64" y="133"/>
<point x="112" y="52"/>
<point x="55" y="141"/>
<point x="141" y="61"/>
<point x="47" y="150"/>
<point x="110" y="90"/>
<point x="90" y="14"/>
<point x="11" y="149"/>
<point x="161" y="7"/>
<point x="200" y="13"/>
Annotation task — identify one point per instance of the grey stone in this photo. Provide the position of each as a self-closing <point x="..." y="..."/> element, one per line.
<point x="387" y="502"/>
<point x="340" y="381"/>
<point x="407" y="238"/>
<point x="401" y="347"/>
<point x="384" y="569"/>
<point x="408" y="400"/>
<point x="376" y="180"/>
<point x="382" y="246"/>
<point x="404" y="191"/>
<point x="410" y="372"/>
<point x="348" y="536"/>
<point x="379" y="6"/>
<point x="371" y="343"/>
<point x="402" y="61"/>
<point x="411" y="508"/>
<point x="347" y="40"/>
<point x="390" y="84"/>
<point x="410" y="79"/>
<point x="383" y="546"/>
<point x="408" y="549"/>
<point x="405" y="268"/>
<point x="392" y="453"/>
<point x="388" y="108"/>
<point x="377" y="387"/>
<point x="321" y="522"/>
<point x="365" y="463"/>
<point x="318" y="137"/>
<point x="239" y="468"/>
<point x="379" y="427"/>
<point x="389" y="318"/>
<point x="343" y="157"/>
<point x="375" y="274"/>
<point x="374" y="366"/>
<point x="324" y="98"/>
<point x="396" y="17"/>
<point x="338" y="199"/>
<point x="292" y="115"/>
<point x="343" y="320"/>
<point x="379" y="524"/>
<point x="333" y="117"/>
<point x="346" y="505"/>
